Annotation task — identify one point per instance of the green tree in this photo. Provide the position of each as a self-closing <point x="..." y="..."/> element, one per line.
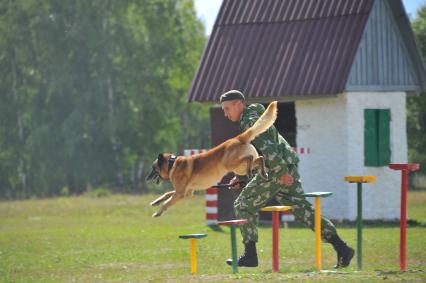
<point x="416" y="106"/>
<point x="92" y="91"/>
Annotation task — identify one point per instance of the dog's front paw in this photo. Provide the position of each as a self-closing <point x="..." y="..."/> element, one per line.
<point x="154" y="203"/>
<point x="156" y="214"/>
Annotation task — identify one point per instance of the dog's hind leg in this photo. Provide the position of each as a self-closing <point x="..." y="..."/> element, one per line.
<point x="163" y="198"/>
<point x="260" y="164"/>
<point x="169" y="202"/>
<point x="249" y="160"/>
<point x="242" y="166"/>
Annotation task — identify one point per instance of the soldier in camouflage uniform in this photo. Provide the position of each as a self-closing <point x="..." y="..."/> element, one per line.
<point x="283" y="183"/>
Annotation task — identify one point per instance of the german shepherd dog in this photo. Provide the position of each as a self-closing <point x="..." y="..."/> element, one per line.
<point x="201" y="171"/>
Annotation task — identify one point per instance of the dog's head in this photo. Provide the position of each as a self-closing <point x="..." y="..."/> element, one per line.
<point x="160" y="168"/>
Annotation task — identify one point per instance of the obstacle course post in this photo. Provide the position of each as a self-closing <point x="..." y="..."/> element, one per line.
<point x="405" y="168"/>
<point x="275" y="232"/>
<point x="318" y="196"/>
<point x="193" y="238"/>
<point x="359" y="180"/>
<point x="233" y="224"/>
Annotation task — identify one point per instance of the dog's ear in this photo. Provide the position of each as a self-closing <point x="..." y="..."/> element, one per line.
<point x="161" y="160"/>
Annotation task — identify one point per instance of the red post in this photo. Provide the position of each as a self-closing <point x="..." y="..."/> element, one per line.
<point x="275" y="227"/>
<point x="275" y="231"/>
<point x="403" y="224"/>
<point x="405" y="168"/>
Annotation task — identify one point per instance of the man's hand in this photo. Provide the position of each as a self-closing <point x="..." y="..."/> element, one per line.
<point x="287" y="180"/>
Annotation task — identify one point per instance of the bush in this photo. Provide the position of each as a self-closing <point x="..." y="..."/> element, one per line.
<point x="99" y="193"/>
<point x="64" y="192"/>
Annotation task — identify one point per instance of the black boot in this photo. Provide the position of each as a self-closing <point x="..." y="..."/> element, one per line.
<point x="344" y="252"/>
<point x="249" y="258"/>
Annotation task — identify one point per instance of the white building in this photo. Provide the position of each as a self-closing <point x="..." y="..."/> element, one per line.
<point x="342" y="71"/>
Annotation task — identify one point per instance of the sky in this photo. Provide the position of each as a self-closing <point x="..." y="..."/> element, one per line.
<point x="207" y="10"/>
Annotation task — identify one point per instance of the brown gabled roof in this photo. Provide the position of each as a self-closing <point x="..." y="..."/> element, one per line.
<point x="277" y="48"/>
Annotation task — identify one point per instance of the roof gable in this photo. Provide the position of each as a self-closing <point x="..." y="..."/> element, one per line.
<point x="387" y="58"/>
<point x="281" y="48"/>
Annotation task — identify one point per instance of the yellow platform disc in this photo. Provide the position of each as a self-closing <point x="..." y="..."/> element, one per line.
<point x="276" y="208"/>
<point x="360" y="179"/>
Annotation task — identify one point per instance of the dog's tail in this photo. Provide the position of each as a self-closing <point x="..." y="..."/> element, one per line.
<point x="265" y="121"/>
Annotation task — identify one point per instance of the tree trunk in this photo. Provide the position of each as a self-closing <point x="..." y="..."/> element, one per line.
<point x="111" y="110"/>
<point x="140" y="171"/>
<point x="21" y="164"/>
<point x="185" y="131"/>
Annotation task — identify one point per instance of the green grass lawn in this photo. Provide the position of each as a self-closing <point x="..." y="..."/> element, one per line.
<point x="417" y="206"/>
<point x="114" y="239"/>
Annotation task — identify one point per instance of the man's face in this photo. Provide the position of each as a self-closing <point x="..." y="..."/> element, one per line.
<point x="233" y="109"/>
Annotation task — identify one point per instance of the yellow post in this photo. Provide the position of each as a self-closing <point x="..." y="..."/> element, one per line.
<point x="318" y="233"/>
<point x="193" y="256"/>
<point x="193" y="238"/>
<point x="317" y="196"/>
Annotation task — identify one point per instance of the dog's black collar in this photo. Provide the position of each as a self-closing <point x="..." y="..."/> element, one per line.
<point x="172" y="160"/>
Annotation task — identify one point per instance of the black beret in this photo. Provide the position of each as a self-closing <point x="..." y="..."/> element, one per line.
<point x="232" y="95"/>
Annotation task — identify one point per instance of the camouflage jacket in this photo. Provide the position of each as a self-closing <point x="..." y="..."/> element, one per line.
<point x="271" y="145"/>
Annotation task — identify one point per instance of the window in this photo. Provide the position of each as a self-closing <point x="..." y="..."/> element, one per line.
<point x="377" y="137"/>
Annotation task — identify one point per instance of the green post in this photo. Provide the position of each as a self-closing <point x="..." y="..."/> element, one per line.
<point x="359" y="222"/>
<point x="359" y="180"/>
<point x="234" y="250"/>
<point x="233" y="223"/>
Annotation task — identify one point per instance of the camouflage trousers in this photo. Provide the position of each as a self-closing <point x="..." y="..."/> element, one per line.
<point x="258" y="192"/>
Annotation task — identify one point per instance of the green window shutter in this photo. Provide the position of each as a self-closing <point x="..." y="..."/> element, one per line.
<point x="370" y="138"/>
<point x="384" y="137"/>
<point x="377" y="137"/>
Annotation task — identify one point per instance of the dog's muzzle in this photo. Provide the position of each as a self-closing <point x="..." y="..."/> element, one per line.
<point x="154" y="176"/>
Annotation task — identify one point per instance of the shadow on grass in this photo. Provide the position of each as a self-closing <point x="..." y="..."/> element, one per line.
<point x="352" y="224"/>
<point x="216" y="228"/>
<point x="396" y="272"/>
